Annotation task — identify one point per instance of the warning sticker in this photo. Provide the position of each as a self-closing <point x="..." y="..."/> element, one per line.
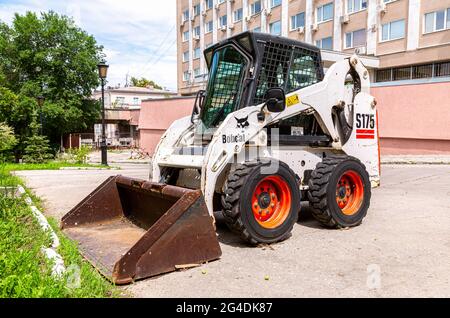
<point x="292" y="100"/>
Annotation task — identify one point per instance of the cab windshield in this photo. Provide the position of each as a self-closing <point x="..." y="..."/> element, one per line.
<point x="226" y="76"/>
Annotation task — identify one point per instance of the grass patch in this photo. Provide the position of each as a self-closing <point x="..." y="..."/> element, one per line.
<point x="53" y="165"/>
<point x="24" y="270"/>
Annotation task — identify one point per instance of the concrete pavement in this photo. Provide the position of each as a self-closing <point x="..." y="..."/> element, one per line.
<point x="416" y="159"/>
<point x="61" y="190"/>
<point x="402" y="249"/>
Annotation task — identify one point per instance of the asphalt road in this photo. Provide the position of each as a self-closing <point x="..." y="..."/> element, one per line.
<point x="402" y="249"/>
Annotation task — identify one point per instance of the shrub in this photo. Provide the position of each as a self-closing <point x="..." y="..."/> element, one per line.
<point x="7" y="142"/>
<point x="79" y="155"/>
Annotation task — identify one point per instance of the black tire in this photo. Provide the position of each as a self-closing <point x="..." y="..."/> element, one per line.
<point x="323" y="191"/>
<point x="237" y="204"/>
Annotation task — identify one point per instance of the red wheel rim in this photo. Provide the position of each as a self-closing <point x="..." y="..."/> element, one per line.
<point x="350" y="192"/>
<point x="271" y="202"/>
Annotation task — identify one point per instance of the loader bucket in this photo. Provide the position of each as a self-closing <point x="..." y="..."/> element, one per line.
<point x="131" y="229"/>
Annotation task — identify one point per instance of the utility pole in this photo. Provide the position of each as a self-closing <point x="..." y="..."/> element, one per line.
<point x="103" y="71"/>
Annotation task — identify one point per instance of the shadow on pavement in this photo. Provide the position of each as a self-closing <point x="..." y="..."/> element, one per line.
<point x="226" y="236"/>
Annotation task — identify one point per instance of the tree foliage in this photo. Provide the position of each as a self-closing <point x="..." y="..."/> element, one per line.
<point x="37" y="147"/>
<point x="47" y="55"/>
<point x="143" y="82"/>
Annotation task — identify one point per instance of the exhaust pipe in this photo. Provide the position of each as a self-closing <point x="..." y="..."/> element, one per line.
<point x="130" y="229"/>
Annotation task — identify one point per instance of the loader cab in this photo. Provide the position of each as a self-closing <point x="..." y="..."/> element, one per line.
<point x="243" y="68"/>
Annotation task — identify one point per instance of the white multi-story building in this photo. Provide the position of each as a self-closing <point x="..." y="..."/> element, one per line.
<point x="130" y="97"/>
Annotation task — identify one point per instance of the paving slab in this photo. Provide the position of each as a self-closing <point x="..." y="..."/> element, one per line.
<point x="402" y="249"/>
<point x="61" y="190"/>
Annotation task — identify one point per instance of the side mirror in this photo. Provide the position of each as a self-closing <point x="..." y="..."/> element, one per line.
<point x="198" y="104"/>
<point x="275" y="100"/>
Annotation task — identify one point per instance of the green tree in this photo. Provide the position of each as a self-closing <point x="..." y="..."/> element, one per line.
<point x="7" y="141"/>
<point x="143" y="82"/>
<point x="48" y="55"/>
<point x="37" y="147"/>
<point x="17" y="112"/>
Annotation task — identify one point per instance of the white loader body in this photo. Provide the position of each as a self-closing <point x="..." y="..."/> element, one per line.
<point x="233" y="143"/>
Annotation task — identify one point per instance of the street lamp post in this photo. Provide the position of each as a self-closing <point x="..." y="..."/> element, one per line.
<point x="40" y="100"/>
<point x="102" y="72"/>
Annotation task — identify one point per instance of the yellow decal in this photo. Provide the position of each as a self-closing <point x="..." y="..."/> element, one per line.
<point x="292" y="100"/>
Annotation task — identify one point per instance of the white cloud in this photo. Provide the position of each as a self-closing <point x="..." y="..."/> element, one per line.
<point x="139" y="36"/>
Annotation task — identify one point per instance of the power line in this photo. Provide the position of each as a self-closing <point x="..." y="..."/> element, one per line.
<point x="159" y="47"/>
<point x="160" y="56"/>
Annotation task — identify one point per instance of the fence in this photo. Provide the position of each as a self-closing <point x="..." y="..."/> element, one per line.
<point x="119" y="140"/>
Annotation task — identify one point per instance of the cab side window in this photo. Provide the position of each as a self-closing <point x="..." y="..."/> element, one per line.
<point x="304" y="70"/>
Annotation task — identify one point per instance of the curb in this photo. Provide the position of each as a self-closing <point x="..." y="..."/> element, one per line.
<point x="407" y="162"/>
<point x="127" y="162"/>
<point x="50" y="252"/>
<point x="87" y="168"/>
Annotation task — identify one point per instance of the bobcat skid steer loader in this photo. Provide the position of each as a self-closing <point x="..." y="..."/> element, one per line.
<point x="270" y="130"/>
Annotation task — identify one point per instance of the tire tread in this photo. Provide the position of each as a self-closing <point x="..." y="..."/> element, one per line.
<point x="318" y="185"/>
<point x="237" y="178"/>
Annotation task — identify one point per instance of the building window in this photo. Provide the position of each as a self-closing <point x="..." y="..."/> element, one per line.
<point x="196" y="10"/>
<point x="275" y="3"/>
<point x="401" y="73"/>
<point x="197" y="53"/>
<point x="208" y="4"/>
<point x="298" y="21"/>
<point x="197" y="31"/>
<point x="185" y="15"/>
<point x="275" y="28"/>
<point x="186" y="36"/>
<point x="136" y="101"/>
<point x="356" y="5"/>
<point x="387" y="1"/>
<point x="223" y="21"/>
<point x="186" y="76"/>
<point x="442" y="69"/>
<point x="393" y="30"/>
<point x="384" y="75"/>
<point x="237" y="15"/>
<point x="324" y="13"/>
<point x="448" y="18"/>
<point x="220" y="1"/>
<point x="437" y="21"/>
<point x="186" y="56"/>
<point x="422" y="71"/>
<point x="414" y="72"/>
<point x="255" y="7"/>
<point x="325" y="43"/>
<point x="208" y="27"/>
<point x="197" y="72"/>
<point x="120" y="101"/>
<point x="355" y="39"/>
<point x="257" y="29"/>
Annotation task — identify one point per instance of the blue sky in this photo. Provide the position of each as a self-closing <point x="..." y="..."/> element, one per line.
<point x="139" y="36"/>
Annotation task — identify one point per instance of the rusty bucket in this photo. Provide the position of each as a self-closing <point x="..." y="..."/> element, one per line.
<point x="131" y="229"/>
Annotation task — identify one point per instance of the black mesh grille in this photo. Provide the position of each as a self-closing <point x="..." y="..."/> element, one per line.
<point x="288" y="67"/>
<point x="274" y="68"/>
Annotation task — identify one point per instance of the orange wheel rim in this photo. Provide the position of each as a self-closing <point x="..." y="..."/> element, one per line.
<point x="350" y="192"/>
<point x="271" y="202"/>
